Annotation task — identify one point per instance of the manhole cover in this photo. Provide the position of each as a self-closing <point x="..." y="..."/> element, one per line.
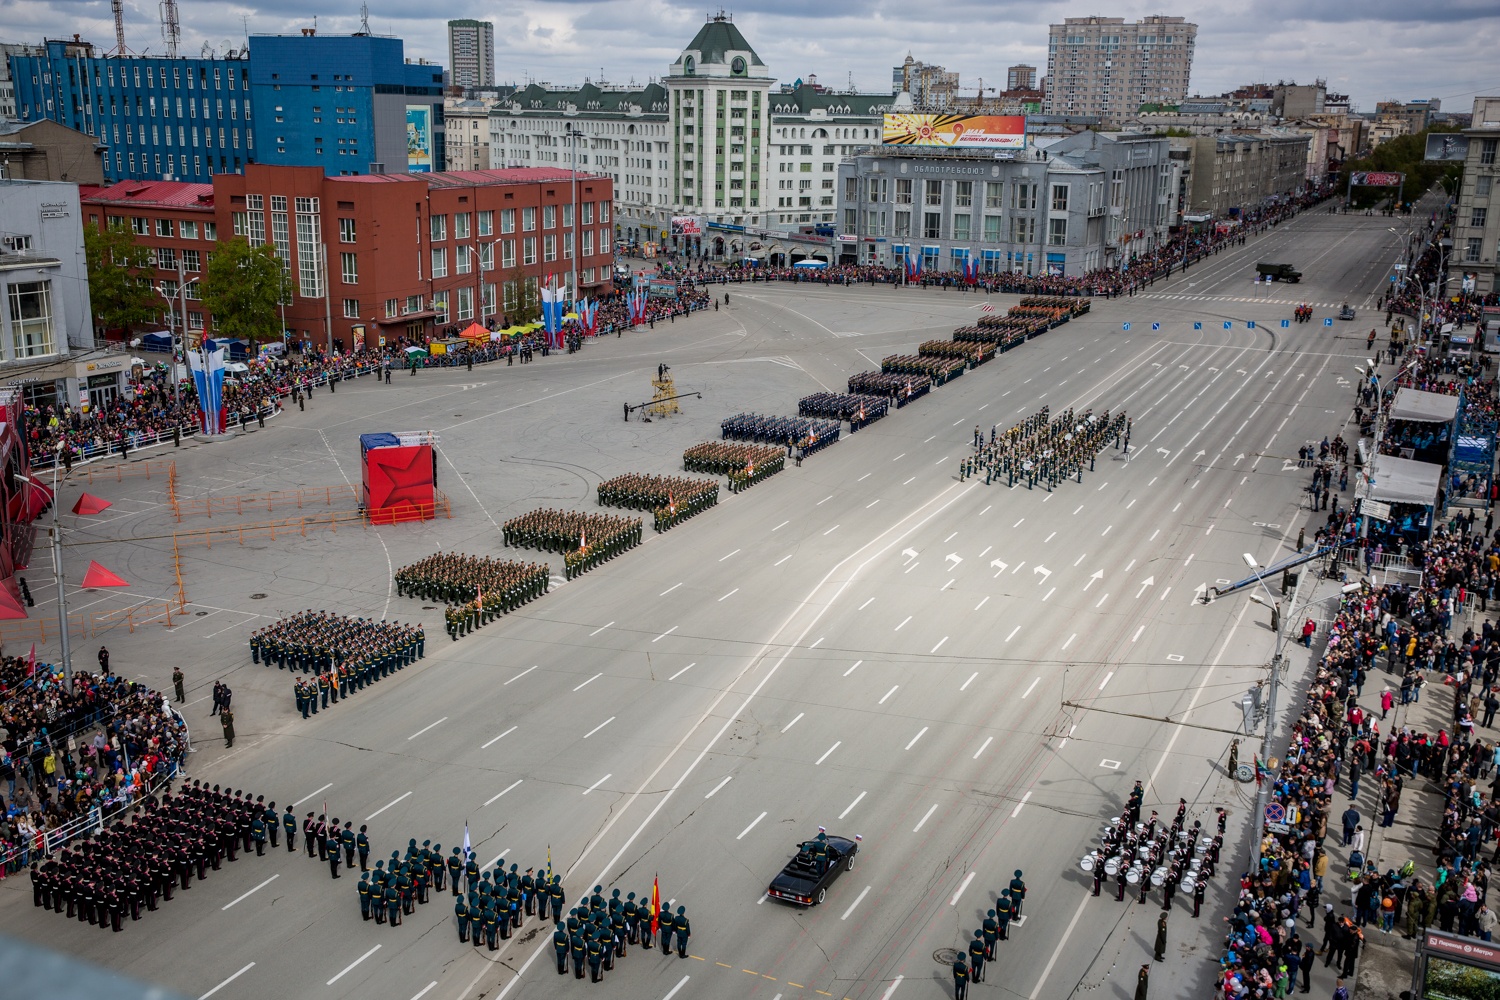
<point x="429" y="607"/>
<point x="945" y="956"/>
<point x="257" y="597"/>
<point x="199" y="614"/>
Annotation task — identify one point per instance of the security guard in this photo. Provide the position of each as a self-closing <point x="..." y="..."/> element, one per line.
<point x="977" y="957"/>
<point x="560" y="945"/>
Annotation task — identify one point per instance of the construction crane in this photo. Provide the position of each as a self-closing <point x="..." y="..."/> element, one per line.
<point x="118" y="6"/>
<point x="171" y="30"/>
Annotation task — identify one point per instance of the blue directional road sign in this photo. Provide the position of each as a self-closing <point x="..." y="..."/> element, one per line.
<point x="1328" y="321"/>
<point x="1285" y="323"/>
<point x="1251" y="324"/>
<point x="1197" y="326"/>
<point x="1156" y="326"/>
<point x="1228" y="325"/>
<point x="1125" y="326"/>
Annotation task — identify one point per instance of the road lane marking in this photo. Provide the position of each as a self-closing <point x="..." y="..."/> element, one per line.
<point x="831" y="530"/>
<point x="596" y="631"/>
<point x="674" y="586"/>
<point x="1138" y="633"/>
<point x="912" y="743"/>
<point x="851" y="669"/>
<point x="227" y="981"/>
<point x="961" y="887"/>
<point x="1050" y="593"/>
<point x="789" y="725"/>
<point x="673" y="991"/>
<point x="818" y="643"/>
<point x="351" y="965"/>
<point x="499" y="738"/>
<point x="872" y="503"/>
<point x="751" y="826"/>
<point x="981" y="604"/>
<point x="684" y="670"/>
<point x="1017" y="810"/>
<point x="668" y="632"/>
<point x="783" y="524"/>
<point x="425" y="990"/>
<point x="597" y="783"/>
<point x="899" y="627"/>
<point x="857" y="900"/>
<point x="1049" y="538"/>
<point x="827" y="752"/>
<point x="850" y="808"/>
<point x="925" y="817"/>
<point x="969" y="681"/>
<point x="824" y="500"/>
<point x="588" y="682"/>
<point x="1070" y="640"/>
<point x="305" y="798"/>
<point x="1013" y="633"/>
<point x="1102" y="600"/>
<point x="938" y="646"/>
<point x="251" y="892"/>
<point x="1018" y="523"/>
<point x="910" y="481"/>
<point x="1031" y="688"/>
<point x="424" y="729"/>
<point x="1079" y="559"/>
<point x="724" y="782"/>
<point x="533" y="667"/>
<point x="734" y="553"/>
<point x="736" y="590"/>
<point x="982" y="747"/>
<point x="892" y="691"/>
<point x="600" y="726"/>
<point x="899" y="457"/>
<point x="1106" y="680"/>
<point x="509" y="787"/>
<point x="383" y="808"/>
<point x="781" y="560"/>
<point x="865" y="605"/>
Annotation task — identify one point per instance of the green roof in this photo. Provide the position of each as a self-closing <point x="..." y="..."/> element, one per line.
<point x="716" y="39"/>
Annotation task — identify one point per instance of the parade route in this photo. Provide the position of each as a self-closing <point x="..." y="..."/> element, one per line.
<point x="970" y="677"/>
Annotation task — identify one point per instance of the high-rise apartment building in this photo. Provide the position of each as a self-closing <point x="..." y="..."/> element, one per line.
<point x="471" y="53"/>
<point x="1108" y="67"/>
<point x="1020" y="78"/>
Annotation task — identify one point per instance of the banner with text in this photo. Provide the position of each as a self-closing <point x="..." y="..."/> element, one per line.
<point x="956" y="131"/>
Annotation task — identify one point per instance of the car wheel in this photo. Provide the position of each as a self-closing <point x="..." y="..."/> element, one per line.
<point x="822" y="895"/>
<point x="849" y="865"/>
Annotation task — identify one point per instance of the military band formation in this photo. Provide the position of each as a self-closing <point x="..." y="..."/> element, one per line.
<point x="118" y="870"/>
<point x="1039" y="452"/>
<point x="340" y="654"/>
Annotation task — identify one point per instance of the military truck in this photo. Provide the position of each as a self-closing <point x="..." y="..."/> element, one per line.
<point x="1279" y="272"/>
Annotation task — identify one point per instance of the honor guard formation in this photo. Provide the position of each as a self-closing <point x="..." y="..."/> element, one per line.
<point x="672" y="499"/>
<point x="900" y="389"/>
<point x="585" y="540"/>
<point x="723" y="457"/>
<point x="795" y="432"/>
<point x="940" y="370"/>
<point x="1142" y="855"/>
<point x="344" y="653"/>
<point x="1036" y="451"/>
<point x="974" y="354"/>
<point x="476" y="589"/>
<point x="119" y="869"/>
<point x="995" y="927"/>
<point x="858" y="410"/>
<point x="598" y="931"/>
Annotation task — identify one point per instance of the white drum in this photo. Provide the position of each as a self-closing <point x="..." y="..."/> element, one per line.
<point x="1087" y="862"/>
<point x="1200" y="848"/>
<point x="1142" y="851"/>
<point x="1133" y="876"/>
<point x="1158" y="876"/>
<point x="1112" y="866"/>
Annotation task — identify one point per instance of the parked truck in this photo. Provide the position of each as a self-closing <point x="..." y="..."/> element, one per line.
<point x="1279" y="272"/>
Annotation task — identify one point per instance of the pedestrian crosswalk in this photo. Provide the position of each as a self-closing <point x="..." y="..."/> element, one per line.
<point x="1240" y="298"/>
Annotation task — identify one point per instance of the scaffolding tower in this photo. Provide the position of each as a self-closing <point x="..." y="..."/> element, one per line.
<point x="664" y="401"/>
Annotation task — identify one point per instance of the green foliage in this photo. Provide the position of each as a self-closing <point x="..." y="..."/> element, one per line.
<point x="1403" y="154"/>
<point x="525" y="293"/>
<point x="120" y="273"/>
<point x="1175" y="133"/>
<point x="242" y="287"/>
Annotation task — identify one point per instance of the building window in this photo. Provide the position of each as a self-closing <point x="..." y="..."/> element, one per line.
<point x="392" y="308"/>
<point x="1022" y="230"/>
<point x="438" y="224"/>
<point x="140" y="226"/>
<point x="902" y="223"/>
<point x="1059" y="197"/>
<point x="465" y="303"/>
<point x="1057" y="230"/>
<point x="346" y="231"/>
<point x="414" y="305"/>
<point x="963" y="195"/>
<point x="31" y="318"/>
<point x="961" y="223"/>
<point x="351" y="308"/>
<point x="528" y="220"/>
<point x="528" y="249"/>
<point x="191" y="261"/>
<point x="440" y="262"/>
<point x="1023" y="197"/>
<point x="507" y="220"/>
<point x="1471" y="248"/>
<point x="994" y="195"/>
<point x="1477" y="217"/>
<point x="588" y="242"/>
<point x="1487" y="150"/>
<point x="461" y="262"/>
<point x="549" y="248"/>
<point x="507" y="253"/>
<point x="992" y="230"/>
<point x="461" y="226"/>
<point x="932" y="225"/>
<point x="187" y="230"/>
<point x="586" y="214"/>
<point x="309" y="249"/>
<point x="549" y="216"/>
<point x="349" y="268"/>
<point x="934" y="194"/>
<point x="486" y="223"/>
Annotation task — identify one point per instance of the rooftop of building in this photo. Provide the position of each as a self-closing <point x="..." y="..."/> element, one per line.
<point x="717" y="38"/>
<point x="584" y="99"/>
<point x="161" y="194"/>
<point x="474" y="178"/>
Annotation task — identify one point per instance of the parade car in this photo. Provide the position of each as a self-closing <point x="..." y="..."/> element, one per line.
<point x="1346" y="311"/>
<point x="801" y="883"/>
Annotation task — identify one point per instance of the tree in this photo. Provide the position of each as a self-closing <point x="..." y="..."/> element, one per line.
<point x="522" y="296"/>
<point x="242" y="287"/>
<point x="120" y="272"/>
<point x="1403" y="154"/>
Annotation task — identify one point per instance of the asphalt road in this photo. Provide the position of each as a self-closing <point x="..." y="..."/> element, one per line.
<point x="865" y="643"/>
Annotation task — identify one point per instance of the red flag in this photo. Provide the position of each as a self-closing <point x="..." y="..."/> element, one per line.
<point x="31" y="662"/>
<point x="655" y="904"/>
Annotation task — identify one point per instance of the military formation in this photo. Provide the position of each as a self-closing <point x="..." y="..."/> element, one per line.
<point x="568" y="530"/>
<point x="490" y="907"/>
<point x="132" y="865"/>
<point x="804" y="433"/>
<point x="598" y="931"/>
<point x="340" y="655"/>
<point x="1039" y="452"/>
<point x="899" y="389"/>
<point x="994" y="928"/>
<point x="974" y="354"/>
<point x="634" y="491"/>
<point x="455" y="578"/>
<point x="724" y="457"/>
<point x="940" y="370"/>
<point x="858" y="409"/>
<point x="1152" y="853"/>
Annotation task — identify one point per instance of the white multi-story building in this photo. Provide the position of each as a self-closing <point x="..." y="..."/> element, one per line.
<point x="471" y="53"/>
<point x="1108" y="67"/>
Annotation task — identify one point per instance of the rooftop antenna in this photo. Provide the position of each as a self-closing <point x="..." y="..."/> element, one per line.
<point x="171" y="29"/>
<point x="364" y="19"/>
<point x="118" y="6"/>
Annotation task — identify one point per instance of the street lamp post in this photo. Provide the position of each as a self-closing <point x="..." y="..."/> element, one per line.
<point x="1263" y="795"/>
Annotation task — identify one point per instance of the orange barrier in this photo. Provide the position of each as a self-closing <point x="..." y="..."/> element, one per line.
<point x="267" y="529"/>
<point x="157" y="612"/>
<point x="413" y="511"/>
<point x="156" y="468"/>
<point x="206" y="506"/>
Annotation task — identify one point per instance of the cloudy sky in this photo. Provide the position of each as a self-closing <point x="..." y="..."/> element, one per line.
<point x="1370" y="49"/>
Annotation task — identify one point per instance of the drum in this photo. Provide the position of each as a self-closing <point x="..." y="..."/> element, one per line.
<point x="1112" y="865"/>
<point x="1133" y="876"/>
<point x="1114" y="821"/>
<point x="1087" y="861"/>
<point x="1140" y="828"/>
<point x="1158" y="877"/>
<point x="1200" y="848"/>
<point x="1183" y="835"/>
<point x="1142" y="851"/>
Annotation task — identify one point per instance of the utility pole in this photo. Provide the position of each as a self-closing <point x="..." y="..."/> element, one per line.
<point x="574" y="134"/>
<point x="55" y="534"/>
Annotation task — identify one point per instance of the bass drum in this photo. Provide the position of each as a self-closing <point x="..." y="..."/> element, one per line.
<point x="1088" y="861"/>
<point x="1158" y="877"/>
<point x="1112" y="866"/>
<point x="1133" y="876"/>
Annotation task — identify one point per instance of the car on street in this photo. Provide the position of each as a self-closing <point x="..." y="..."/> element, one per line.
<point x="805" y="881"/>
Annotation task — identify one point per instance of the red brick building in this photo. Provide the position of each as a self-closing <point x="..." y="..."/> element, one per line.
<point x="406" y="254"/>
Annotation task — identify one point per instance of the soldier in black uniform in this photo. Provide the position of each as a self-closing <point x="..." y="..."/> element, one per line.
<point x="977" y="956"/>
<point x="960" y="979"/>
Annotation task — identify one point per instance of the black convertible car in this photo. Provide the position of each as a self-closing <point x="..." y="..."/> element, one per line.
<point x="802" y="883"/>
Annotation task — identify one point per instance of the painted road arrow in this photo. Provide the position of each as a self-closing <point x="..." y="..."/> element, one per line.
<point x="1097" y="576"/>
<point x="1239" y="458"/>
<point x="954" y="558"/>
<point x="1150" y="581"/>
<point x="1043" y="571"/>
<point x="998" y="565"/>
<point x="909" y="553"/>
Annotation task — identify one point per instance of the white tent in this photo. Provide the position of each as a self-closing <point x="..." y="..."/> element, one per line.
<point x="1400" y="480"/>
<point x="1428" y="407"/>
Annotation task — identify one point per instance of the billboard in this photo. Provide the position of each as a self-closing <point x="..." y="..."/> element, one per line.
<point x="1373" y="178"/>
<point x="956" y="131"/>
<point x="1447" y="147"/>
<point x="687" y="225"/>
<point x="418" y="138"/>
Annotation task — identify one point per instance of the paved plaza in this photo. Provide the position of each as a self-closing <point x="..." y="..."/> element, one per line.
<point x="970" y="677"/>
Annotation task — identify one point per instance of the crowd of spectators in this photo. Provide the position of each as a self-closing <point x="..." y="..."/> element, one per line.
<point x="97" y="743"/>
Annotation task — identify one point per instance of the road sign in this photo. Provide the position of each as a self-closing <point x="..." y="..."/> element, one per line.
<point x="1197" y="325"/>
<point x="1125" y="326"/>
<point x="1275" y="812"/>
<point x="1285" y="323"/>
<point x="1156" y="326"/>
<point x="1328" y="321"/>
<point x="1228" y="325"/>
<point x="1250" y="325"/>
